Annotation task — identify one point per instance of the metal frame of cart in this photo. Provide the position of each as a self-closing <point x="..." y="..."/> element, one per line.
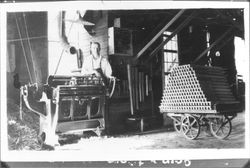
<point x="189" y="123"/>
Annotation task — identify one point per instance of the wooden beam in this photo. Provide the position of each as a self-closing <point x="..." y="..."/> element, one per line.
<point x="213" y="44"/>
<point x="177" y="30"/>
<point x="172" y="51"/>
<point x="225" y="41"/>
<point x="136" y="89"/>
<point x="152" y="90"/>
<point x="163" y="71"/>
<point x="139" y="54"/>
<point x="130" y="89"/>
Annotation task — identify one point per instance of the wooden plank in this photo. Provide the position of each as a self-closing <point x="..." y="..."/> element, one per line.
<point x="143" y="87"/>
<point x="177" y="30"/>
<point x="151" y="89"/>
<point x="225" y="41"/>
<point x="159" y="33"/>
<point x="130" y="89"/>
<point x="147" y="88"/>
<point x="132" y="71"/>
<point x="72" y="108"/>
<point x="140" y="89"/>
<point x="190" y="111"/>
<point x="80" y="125"/>
<point x="213" y="44"/>
<point x="136" y="89"/>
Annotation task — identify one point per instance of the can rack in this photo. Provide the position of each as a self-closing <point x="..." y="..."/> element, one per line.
<point x="197" y="96"/>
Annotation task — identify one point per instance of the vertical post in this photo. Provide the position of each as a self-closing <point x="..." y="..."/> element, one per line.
<point x="236" y="85"/>
<point x="58" y="106"/>
<point x="143" y="86"/>
<point x="133" y="84"/>
<point x="72" y="108"/>
<point x="105" y="113"/>
<point x="163" y="69"/>
<point x="152" y="90"/>
<point x="146" y="85"/>
<point x="136" y="89"/>
<point x="140" y="89"/>
<point x="142" y="124"/>
<point x="89" y="102"/>
<point x="21" y="103"/>
<point x="208" y="45"/>
<point x="130" y="89"/>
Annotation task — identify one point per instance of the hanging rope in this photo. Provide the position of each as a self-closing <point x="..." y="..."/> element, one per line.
<point x="31" y="53"/>
<point x="61" y="28"/>
<point x="24" y="54"/>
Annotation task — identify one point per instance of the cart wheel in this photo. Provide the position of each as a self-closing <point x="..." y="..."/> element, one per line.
<point x="177" y="124"/>
<point x="221" y="127"/>
<point x="190" y="126"/>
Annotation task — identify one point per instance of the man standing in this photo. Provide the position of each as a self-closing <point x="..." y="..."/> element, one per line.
<point x="95" y="63"/>
<point x="98" y="65"/>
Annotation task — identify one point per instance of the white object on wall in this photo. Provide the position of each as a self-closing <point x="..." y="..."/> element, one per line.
<point x="240" y="56"/>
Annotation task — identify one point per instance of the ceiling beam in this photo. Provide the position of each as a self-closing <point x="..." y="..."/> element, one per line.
<point x="234" y="23"/>
<point x="139" y="54"/>
<point x="213" y="44"/>
<point x="177" y="30"/>
<point x="226" y="40"/>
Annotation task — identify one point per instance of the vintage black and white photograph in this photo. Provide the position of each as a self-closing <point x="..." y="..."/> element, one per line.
<point x="160" y="78"/>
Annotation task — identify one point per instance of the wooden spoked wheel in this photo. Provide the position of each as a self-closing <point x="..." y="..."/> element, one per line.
<point x="220" y="127"/>
<point x="190" y="126"/>
<point x="177" y="124"/>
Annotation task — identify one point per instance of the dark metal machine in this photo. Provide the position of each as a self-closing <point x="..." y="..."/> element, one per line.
<point x="81" y="102"/>
<point x="73" y="104"/>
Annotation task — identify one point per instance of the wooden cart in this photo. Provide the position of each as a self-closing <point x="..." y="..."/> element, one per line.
<point x="197" y="96"/>
<point x="189" y="124"/>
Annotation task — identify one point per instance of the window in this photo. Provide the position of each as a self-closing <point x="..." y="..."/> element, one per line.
<point x="170" y="54"/>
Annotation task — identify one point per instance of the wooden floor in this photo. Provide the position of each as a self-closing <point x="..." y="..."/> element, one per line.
<point x="163" y="138"/>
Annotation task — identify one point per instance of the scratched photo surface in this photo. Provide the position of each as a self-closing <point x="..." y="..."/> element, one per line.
<point x="130" y="82"/>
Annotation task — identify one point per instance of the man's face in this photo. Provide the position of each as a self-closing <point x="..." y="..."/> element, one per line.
<point x="94" y="49"/>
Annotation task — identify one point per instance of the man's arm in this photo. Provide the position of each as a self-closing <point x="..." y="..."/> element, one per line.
<point x="106" y="68"/>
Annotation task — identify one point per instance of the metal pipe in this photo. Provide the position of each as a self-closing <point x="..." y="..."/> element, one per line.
<point x="62" y="35"/>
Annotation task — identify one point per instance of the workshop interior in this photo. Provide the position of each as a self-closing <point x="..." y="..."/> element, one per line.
<point x="171" y="68"/>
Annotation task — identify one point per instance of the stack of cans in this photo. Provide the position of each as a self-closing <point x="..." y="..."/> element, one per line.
<point x="192" y="88"/>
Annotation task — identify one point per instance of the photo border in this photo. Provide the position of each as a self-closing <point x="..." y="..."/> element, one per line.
<point x="113" y="154"/>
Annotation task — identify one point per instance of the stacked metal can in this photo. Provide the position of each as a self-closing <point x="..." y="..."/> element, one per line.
<point x="192" y="88"/>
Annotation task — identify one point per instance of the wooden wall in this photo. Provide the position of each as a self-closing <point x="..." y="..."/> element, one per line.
<point x="23" y="54"/>
<point x="78" y="36"/>
<point x="100" y="33"/>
